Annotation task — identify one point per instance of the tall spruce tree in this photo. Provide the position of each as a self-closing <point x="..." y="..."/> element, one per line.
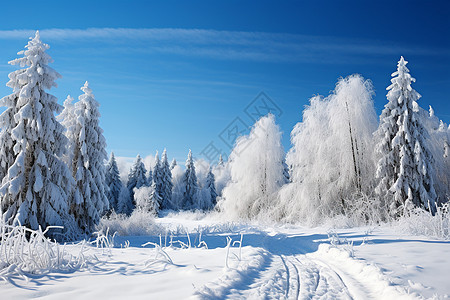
<point x="405" y="162"/>
<point x="136" y="179"/>
<point x="210" y="185"/>
<point x="173" y="164"/>
<point x="157" y="179"/>
<point x="69" y="120"/>
<point x="88" y="163"/>
<point x="190" y="184"/>
<point x="166" y="181"/>
<point x="113" y="182"/>
<point x="37" y="185"/>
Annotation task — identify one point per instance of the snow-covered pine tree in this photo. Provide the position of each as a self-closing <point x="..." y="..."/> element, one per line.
<point x="124" y="203"/>
<point x="173" y="164"/>
<point x="256" y="172"/>
<point x="190" y="184"/>
<point x="113" y="182"/>
<point x="37" y="185"/>
<point x="210" y="185"/>
<point x="68" y="119"/>
<point x="136" y="179"/>
<point x="150" y="177"/>
<point x="286" y="171"/>
<point x="157" y="178"/>
<point x="220" y="162"/>
<point x="88" y="163"/>
<point x="405" y="164"/>
<point x="166" y="182"/>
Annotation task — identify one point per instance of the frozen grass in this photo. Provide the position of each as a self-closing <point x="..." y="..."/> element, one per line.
<point x="25" y="252"/>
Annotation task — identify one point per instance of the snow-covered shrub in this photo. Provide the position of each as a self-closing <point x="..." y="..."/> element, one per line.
<point x="417" y="221"/>
<point x="138" y="223"/>
<point x="24" y="251"/>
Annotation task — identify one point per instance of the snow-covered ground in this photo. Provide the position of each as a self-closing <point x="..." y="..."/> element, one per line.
<point x="274" y="262"/>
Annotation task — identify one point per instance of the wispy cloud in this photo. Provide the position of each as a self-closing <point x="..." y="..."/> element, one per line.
<point x="229" y="45"/>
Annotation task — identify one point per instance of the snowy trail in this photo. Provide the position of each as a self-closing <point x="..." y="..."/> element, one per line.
<point x="286" y="273"/>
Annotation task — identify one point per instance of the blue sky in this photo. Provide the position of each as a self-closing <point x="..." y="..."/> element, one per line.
<point x="175" y="74"/>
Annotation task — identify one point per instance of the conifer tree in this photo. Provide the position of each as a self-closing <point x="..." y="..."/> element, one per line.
<point x="210" y="185"/>
<point x="88" y="168"/>
<point x="190" y="184"/>
<point x="157" y="178"/>
<point x="136" y="179"/>
<point x="69" y="121"/>
<point x="113" y="182"/>
<point x="405" y="164"/>
<point x="220" y="162"/>
<point x="37" y="185"/>
<point x="173" y="164"/>
<point x="150" y="177"/>
<point x="124" y="203"/>
<point x="166" y="182"/>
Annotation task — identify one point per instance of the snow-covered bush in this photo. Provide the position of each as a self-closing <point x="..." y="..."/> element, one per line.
<point x="417" y="221"/>
<point x="138" y="223"/>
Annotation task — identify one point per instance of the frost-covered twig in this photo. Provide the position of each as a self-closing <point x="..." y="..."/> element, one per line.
<point x="159" y="252"/>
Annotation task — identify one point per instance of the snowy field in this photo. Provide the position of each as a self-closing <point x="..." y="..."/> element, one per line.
<point x="274" y="262"/>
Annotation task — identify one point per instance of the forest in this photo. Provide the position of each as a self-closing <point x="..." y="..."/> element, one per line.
<point x="344" y="161"/>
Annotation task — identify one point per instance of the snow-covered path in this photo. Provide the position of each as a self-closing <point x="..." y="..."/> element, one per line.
<point x="297" y="267"/>
<point x="273" y="263"/>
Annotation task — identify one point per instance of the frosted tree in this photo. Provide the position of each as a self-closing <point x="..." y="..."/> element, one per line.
<point x="173" y="164"/>
<point x="88" y="163"/>
<point x="210" y="186"/>
<point x="136" y="178"/>
<point x="158" y="178"/>
<point x="331" y="159"/>
<point x="37" y="185"/>
<point x="69" y="120"/>
<point x="222" y="175"/>
<point x="146" y="198"/>
<point x="256" y="172"/>
<point x="287" y="177"/>
<point x="112" y="180"/>
<point x="220" y="162"/>
<point x="166" y="182"/>
<point x="124" y="202"/>
<point x="150" y="176"/>
<point x="190" y="184"/>
<point x="405" y="164"/>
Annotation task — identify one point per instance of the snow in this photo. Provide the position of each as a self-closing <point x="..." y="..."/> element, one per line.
<point x="275" y="261"/>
